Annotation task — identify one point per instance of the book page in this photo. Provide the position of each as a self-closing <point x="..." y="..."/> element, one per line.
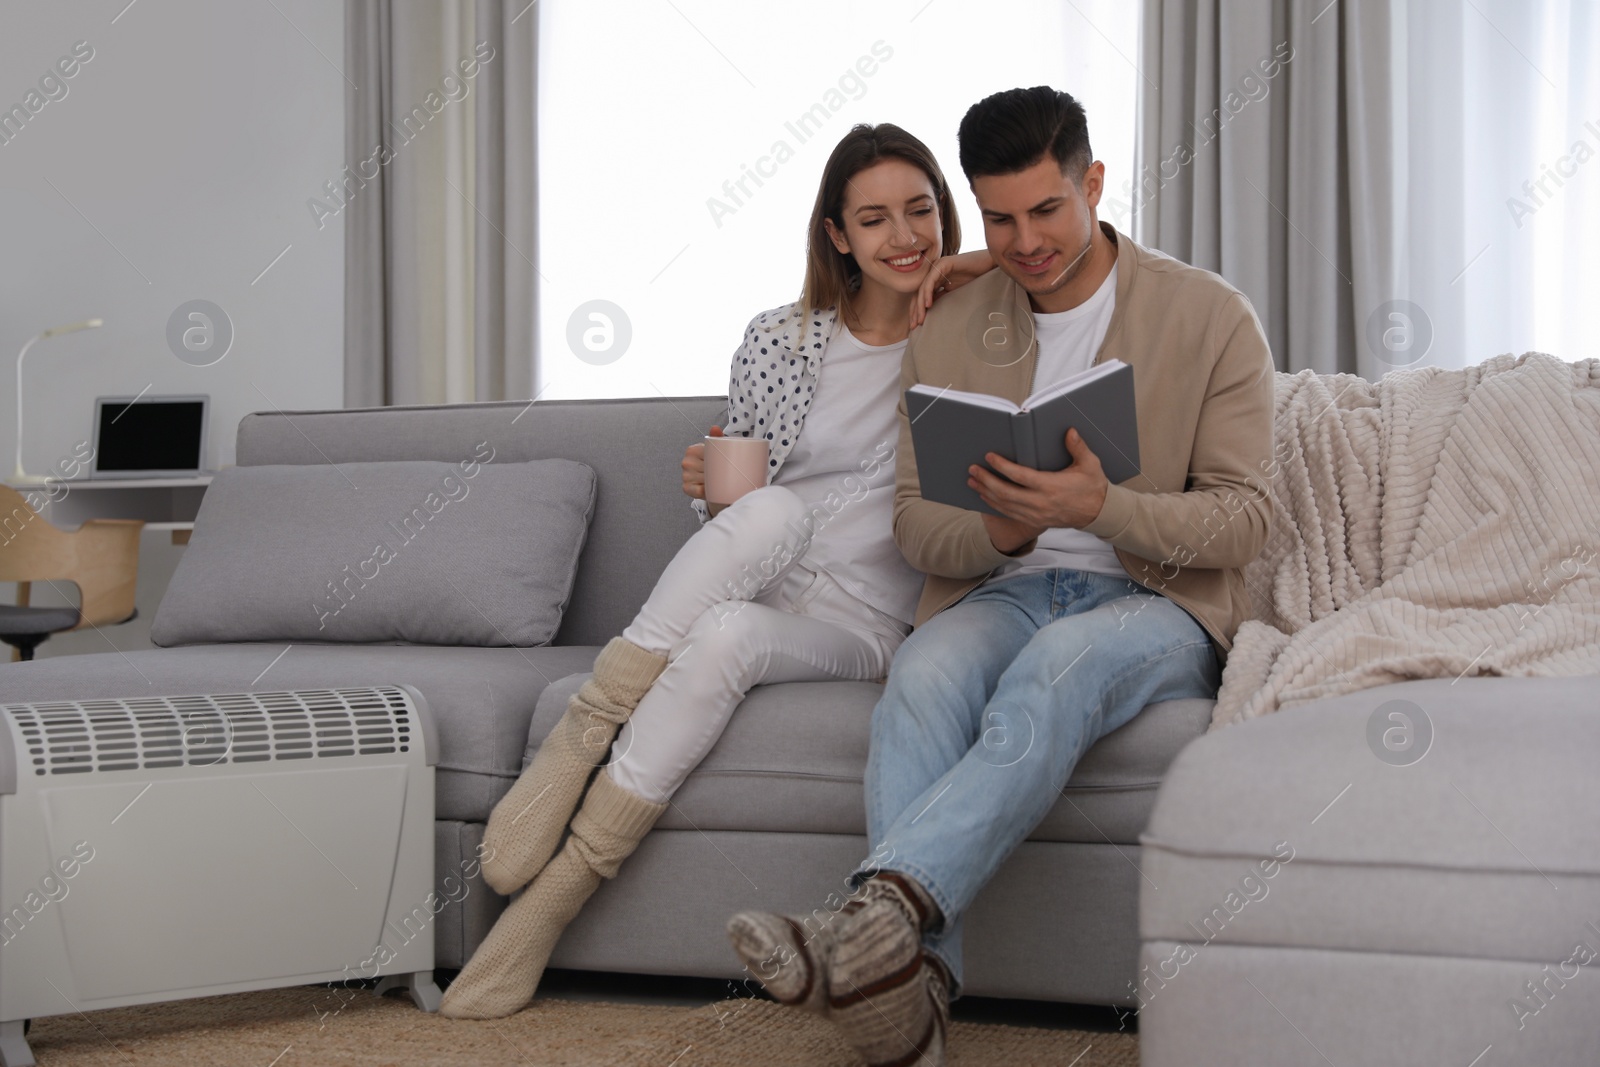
<point x="1069" y="383"/>
<point x="982" y="400"/>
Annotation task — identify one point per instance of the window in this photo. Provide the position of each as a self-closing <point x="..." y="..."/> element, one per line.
<point x="1503" y="189"/>
<point x="681" y="143"/>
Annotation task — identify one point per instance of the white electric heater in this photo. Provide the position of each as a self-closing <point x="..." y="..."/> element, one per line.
<point x="167" y="847"/>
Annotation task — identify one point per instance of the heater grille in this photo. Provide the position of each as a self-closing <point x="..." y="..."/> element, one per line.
<point x="83" y="736"/>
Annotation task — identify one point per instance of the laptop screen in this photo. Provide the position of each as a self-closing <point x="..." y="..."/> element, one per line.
<point x="149" y="435"/>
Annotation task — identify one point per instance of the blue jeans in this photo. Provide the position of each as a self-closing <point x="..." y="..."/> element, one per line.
<point x="990" y="705"/>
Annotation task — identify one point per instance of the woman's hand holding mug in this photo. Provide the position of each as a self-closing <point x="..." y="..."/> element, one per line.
<point x="734" y="466"/>
<point x="694" y="466"/>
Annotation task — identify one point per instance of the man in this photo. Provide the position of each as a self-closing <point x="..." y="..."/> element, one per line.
<point x="1046" y="627"/>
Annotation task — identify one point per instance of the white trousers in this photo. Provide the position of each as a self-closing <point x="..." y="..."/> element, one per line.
<point x="735" y="608"/>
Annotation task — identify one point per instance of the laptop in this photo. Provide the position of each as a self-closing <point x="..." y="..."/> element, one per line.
<point x="150" y="436"/>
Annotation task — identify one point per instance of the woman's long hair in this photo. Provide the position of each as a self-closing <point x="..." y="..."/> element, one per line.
<point x="830" y="274"/>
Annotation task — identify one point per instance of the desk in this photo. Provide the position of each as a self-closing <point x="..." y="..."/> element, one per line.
<point x="162" y="503"/>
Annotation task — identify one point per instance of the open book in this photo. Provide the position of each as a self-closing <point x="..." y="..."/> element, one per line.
<point x="951" y="430"/>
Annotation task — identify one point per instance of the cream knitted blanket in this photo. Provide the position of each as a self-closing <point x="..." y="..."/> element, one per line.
<point x="1433" y="524"/>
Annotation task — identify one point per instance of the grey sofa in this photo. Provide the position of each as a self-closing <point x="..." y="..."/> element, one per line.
<point x="1314" y="896"/>
<point x="774" y="817"/>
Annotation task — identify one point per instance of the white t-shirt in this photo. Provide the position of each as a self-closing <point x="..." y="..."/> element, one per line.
<point x="1068" y="341"/>
<point x="842" y="466"/>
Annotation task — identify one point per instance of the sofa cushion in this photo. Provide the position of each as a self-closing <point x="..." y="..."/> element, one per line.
<point x="793" y="756"/>
<point x="481" y="698"/>
<point x="1470" y="833"/>
<point x="641" y="517"/>
<point x="467" y="553"/>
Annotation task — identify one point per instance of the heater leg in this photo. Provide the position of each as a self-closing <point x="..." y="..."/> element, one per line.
<point x="14" y="1050"/>
<point x="424" y="992"/>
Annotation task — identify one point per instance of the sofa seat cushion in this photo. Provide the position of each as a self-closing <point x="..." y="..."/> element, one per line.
<point x="1472" y="832"/>
<point x="793" y="756"/>
<point x="481" y="698"/>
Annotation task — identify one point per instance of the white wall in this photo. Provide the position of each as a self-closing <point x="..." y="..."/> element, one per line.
<point x="187" y="146"/>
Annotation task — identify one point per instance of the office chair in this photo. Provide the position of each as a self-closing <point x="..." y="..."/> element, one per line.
<point x="101" y="558"/>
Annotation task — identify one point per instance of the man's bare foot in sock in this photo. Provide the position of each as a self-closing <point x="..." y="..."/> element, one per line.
<point x="888" y="996"/>
<point x="796" y="959"/>
<point x="788" y="956"/>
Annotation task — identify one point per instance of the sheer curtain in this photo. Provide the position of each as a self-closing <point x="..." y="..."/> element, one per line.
<point x="1415" y="184"/>
<point x="1504" y="185"/>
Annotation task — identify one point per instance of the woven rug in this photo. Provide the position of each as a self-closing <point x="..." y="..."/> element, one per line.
<point x="315" y="1025"/>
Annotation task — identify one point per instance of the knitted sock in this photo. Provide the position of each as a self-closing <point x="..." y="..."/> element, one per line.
<point x="504" y="972"/>
<point x="931" y="1049"/>
<point x="879" y="978"/>
<point x="791" y="956"/>
<point x="526" y="826"/>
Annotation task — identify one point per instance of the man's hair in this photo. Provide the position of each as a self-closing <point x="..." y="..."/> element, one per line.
<point x="1011" y="131"/>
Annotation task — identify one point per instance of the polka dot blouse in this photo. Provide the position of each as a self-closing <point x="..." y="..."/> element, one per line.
<point x="773" y="378"/>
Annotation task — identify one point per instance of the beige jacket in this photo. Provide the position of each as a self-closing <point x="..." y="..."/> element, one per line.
<point x="1198" y="511"/>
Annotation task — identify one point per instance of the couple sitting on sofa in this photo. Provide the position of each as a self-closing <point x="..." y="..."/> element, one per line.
<point x="1047" y="625"/>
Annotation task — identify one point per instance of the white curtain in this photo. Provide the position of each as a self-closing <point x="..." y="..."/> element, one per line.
<point x="1503" y="191"/>
<point x="438" y="201"/>
<point x="1367" y="190"/>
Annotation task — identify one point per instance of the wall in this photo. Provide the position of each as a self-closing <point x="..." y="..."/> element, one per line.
<point x="173" y="165"/>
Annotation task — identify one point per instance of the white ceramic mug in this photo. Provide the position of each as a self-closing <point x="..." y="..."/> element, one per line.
<point x="734" y="466"/>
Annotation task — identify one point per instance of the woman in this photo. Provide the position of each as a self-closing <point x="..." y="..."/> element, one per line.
<point x="799" y="580"/>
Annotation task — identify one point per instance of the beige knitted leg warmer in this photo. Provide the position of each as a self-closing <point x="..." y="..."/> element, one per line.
<point x="502" y="975"/>
<point x="526" y="826"/>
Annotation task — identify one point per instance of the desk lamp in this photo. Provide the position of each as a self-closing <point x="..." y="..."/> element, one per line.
<point x="19" y="476"/>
